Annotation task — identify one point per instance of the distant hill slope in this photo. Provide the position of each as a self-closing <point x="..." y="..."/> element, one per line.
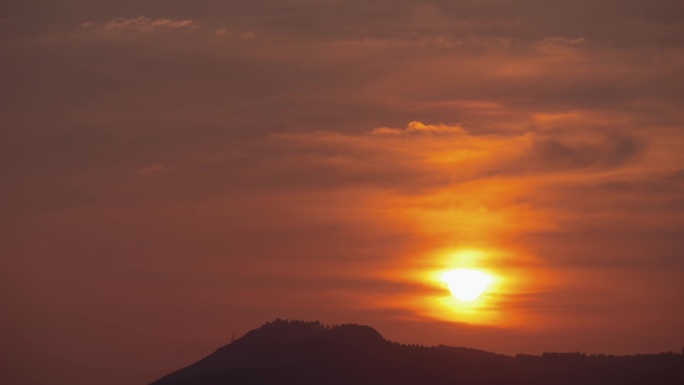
<point x="309" y="353"/>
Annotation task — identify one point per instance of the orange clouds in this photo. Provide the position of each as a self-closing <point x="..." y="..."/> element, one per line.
<point x="205" y="168"/>
<point x="459" y="190"/>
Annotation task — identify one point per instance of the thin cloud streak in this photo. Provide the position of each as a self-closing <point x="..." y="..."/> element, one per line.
<point x="141" y="24"/>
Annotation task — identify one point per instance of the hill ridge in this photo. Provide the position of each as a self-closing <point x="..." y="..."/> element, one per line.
<point x="309" y="352"/>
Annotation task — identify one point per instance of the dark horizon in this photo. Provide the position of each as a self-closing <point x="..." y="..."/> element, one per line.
<point x="318" y="325"/>
<point x="309" y="352"/>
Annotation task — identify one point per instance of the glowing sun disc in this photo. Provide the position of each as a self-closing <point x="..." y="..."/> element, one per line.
<point x="466" y="284"/>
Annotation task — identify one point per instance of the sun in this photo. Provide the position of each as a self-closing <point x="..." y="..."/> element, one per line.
<point x="466" y="284"/>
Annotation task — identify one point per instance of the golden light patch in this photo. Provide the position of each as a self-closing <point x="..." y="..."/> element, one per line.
<point x="466" y="284"/>
<point x="462" y="286"/>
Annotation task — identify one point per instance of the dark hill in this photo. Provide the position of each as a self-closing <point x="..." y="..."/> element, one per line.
<point x="310" y="353"/>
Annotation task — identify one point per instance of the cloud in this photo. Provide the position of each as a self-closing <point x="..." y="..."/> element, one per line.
<point x="420" y="152"/>
<point x="556" y="45"/>
<point x="354" y="139"/>
<point x="588" y="150"/>
<point x="143" y="24"/>
<point x="419" y="128"/>
<point x="153" y="168"/>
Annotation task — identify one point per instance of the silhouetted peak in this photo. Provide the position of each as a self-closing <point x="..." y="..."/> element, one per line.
<point x="299" y="352"/>
<point x="355" y="331"/>
<point x="281" y="330"/>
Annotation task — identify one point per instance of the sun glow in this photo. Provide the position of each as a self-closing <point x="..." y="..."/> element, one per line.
<point x="466" y="284"/>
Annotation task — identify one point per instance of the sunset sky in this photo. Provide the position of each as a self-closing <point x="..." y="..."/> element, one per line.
<point x="178" y="171"/>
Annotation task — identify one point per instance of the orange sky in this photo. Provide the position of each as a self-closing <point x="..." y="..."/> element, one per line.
<point x="175" y="172"/>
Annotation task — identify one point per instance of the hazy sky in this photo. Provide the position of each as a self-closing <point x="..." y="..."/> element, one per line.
<point x="176" y="171"/>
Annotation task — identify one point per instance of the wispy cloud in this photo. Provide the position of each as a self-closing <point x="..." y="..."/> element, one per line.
<point x="142" y="24"/>
<point x="153" y="168"/>
<point x="420" y="128"/>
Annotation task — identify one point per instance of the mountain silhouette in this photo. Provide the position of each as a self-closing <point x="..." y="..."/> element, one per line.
<point x="309" y="353"/>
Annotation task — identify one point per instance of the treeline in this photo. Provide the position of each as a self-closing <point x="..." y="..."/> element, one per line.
<point x="300" y="352"/>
